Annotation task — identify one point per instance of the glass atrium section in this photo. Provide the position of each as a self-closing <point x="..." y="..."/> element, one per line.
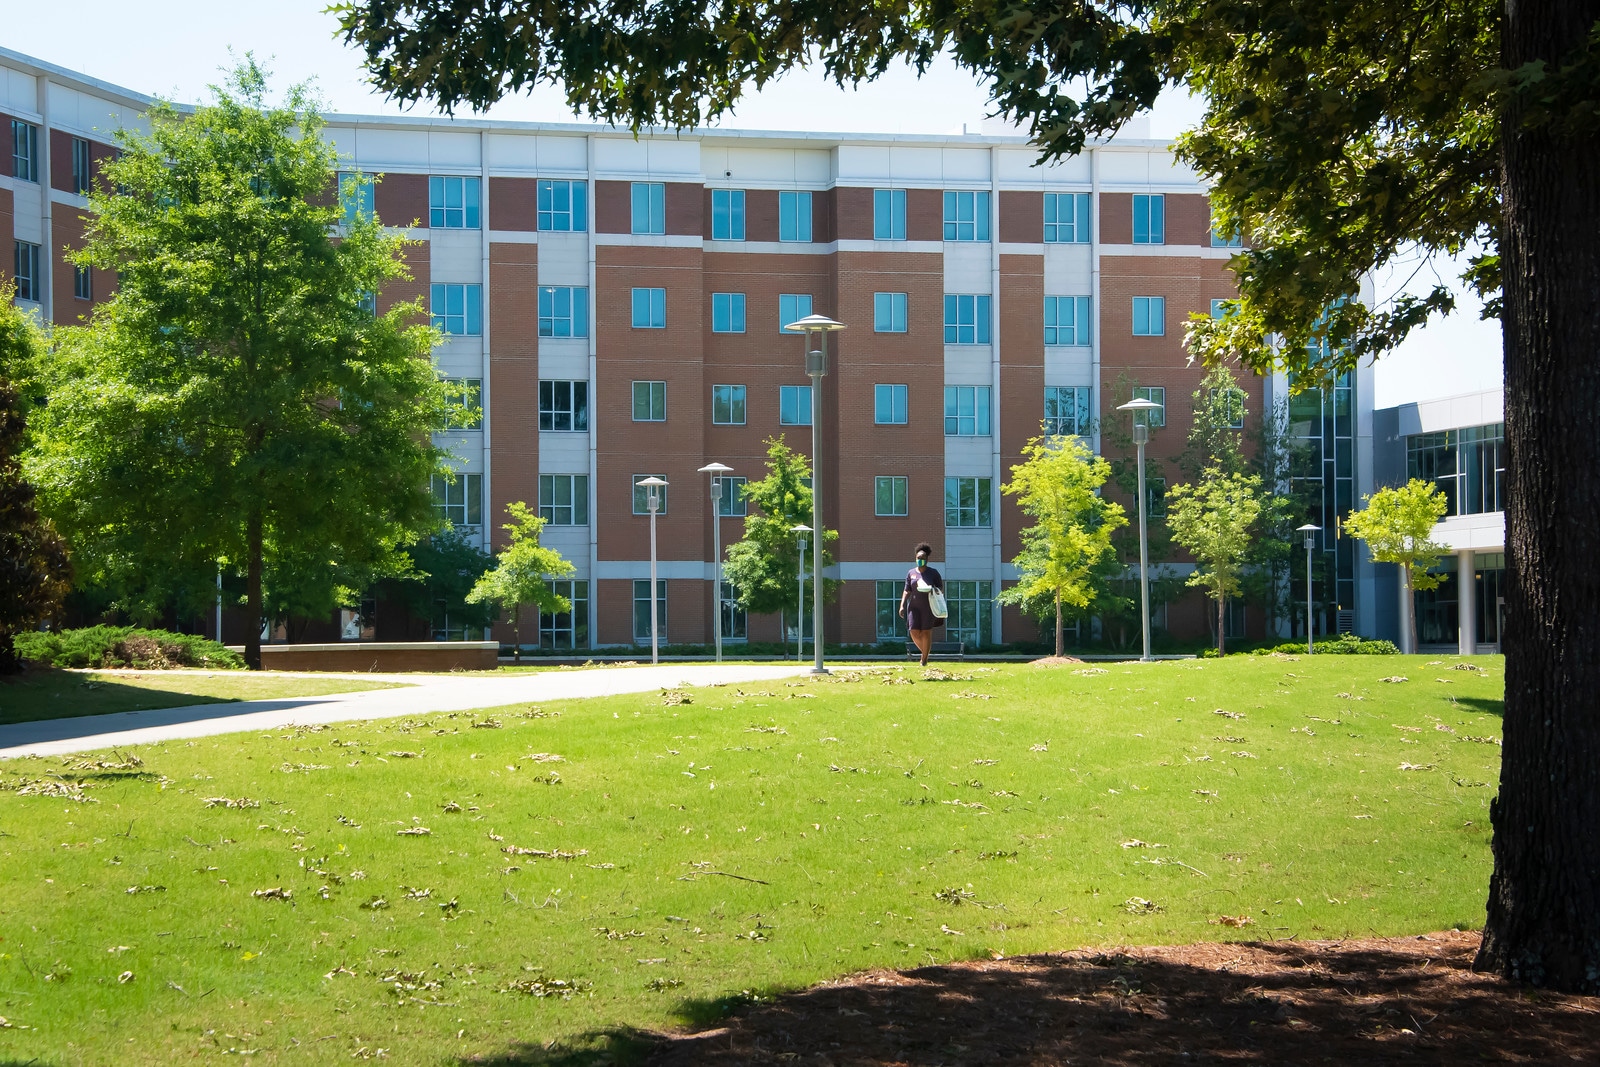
<point x="1468" y="466"/>
<point x="1322" y="436"/>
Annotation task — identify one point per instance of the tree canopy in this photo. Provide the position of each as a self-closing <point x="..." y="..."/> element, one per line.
<point x="1213" y="518"/>
<point x="1397" y="525"/>
<point x="763" y="566"/>
<point x="523" y="571"/>
<point x="237" y="401"/>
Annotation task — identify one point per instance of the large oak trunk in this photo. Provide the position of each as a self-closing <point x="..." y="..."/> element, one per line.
<point x="1544" y="897"/>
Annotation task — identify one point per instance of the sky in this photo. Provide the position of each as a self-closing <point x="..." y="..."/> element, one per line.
<point x="176" y="48"/>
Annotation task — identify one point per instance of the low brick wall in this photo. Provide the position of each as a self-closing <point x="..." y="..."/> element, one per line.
<point x="382" y="656"/>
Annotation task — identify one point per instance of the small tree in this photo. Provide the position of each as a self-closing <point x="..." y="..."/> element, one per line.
<point x="763" y="566"/>
<point x="1397" y="524"/>
<point x="237" y="398"/>
<point x="444" y="568"/>
<point x="1067" y="556"/>
<point x="523" y="571"/>
<point x="1212" y="519"/>
<point x="33" y="561"/>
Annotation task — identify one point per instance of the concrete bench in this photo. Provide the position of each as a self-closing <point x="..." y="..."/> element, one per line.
<point x="940" y="650"/>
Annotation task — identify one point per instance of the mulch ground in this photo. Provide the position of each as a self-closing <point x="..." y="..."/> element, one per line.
<point x="1411" y="1000"/>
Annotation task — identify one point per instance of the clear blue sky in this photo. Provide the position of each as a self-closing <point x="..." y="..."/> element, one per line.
<point x="175" y="48"/>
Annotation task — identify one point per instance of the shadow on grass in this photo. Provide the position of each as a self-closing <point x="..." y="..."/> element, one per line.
<point x="46" y="693"/>
<point x="1488" y="706"/>
<point x="1410" y="1000"/>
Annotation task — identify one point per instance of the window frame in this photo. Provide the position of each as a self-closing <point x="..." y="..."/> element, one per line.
<point x="888" y="592"/>
<point x="970" y="202"/>
<point x="792" y="301"/>
<point x="899" y="487"/>
<point x="728" y="313"/>
<point x="795" y="214"/>
<point x="471" y="314"/>
<point x="576" y="212"/>
<point x="735" y="399"/>
<point x="732" y="503"/>
<point x="24" y="151"/>
<point x="898" y="398"/>
<point x="893" y="307"/>
<point x="641" y="495"/>
<point x="440" y="209"/>
<point x="981" y="507"/>
<point x="82" y="283"/>
<point x="1154" y="223"/>
<point x="82" y="162"/>
<point x="469" y="402"/>
<point x="563" y="400"/>
<point x="1154" y="312"/>
<point x="1074" y="230"/>
<point x="576" y="590"/>
<point x="955" y="304"/>
<point x="654" y="203"/>
<point x="551" y="317"/>
<point x="641" y="603"/>
<point x="655" y="300"/>
<point x="1077" y="399"/>
<point x="1080" y="330"/>
<point x="27" y="272"/>
<point x="790" y="398"/>
<point x="650" y="401"/>
<point x="470" y="502"/>
<point x="980" y="410"/>
<point x="728" y="216"/>
<point x="1156" y="394"/>
<point x="888" y="214"/>
<point x="576" y="507"/>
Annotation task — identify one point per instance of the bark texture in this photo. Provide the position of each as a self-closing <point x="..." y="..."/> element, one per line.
<point x="1544" y="896"/>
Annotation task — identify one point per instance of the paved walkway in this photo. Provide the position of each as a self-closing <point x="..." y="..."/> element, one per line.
<point x="422" y="694"/>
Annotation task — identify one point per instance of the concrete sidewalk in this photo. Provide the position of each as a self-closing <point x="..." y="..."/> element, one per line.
<point x="422" y="694"/>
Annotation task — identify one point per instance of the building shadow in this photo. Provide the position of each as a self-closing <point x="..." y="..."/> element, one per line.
<point x="1411" y="1001"/>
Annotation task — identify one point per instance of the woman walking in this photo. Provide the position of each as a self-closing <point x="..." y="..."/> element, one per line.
<point x="914" y="606"/>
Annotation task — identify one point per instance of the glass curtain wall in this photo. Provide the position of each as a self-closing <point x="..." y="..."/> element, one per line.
<point x="1322" y="431"/>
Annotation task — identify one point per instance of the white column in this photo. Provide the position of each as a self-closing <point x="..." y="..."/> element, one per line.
<point x="1466" y="602"/>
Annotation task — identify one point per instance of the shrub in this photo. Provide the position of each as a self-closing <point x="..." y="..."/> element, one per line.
<point x="124" y="646"/>
<point x="1343" y="645"/>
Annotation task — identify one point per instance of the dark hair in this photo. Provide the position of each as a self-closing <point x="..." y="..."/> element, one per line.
<point x="922" y="549"/>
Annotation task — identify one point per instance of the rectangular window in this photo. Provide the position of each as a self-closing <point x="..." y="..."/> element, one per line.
<point x="1156" y="394"/>
<point x="1468" y="465"/>
<point x="1225" y="240"/>
<point x="733" y="616"/>
<point x="466" y="404"/>
<point x="641" y="495"/>
<point x="967" y="502"/>
<point x="564" y="499"/>
<point x="569" y="630"/>
<point x="727" y="405"/>
<point x="641" y="610"/>
<point x="563" y="405"/>
<point x="1149" y="316"/>
<point x="24" y="151"/>
<point x="563" y="206"/>
<point x="794" y="405"/>
<point x="80" y="166"/>
<point x="966" y="216"/>
<point x="649" y="401"/>
<point x="966" y="319"/>
<point x="794" y="216"/>
<point x="355" y="197"/>
<point x="792" y="307"/>
<point x="1155" y="497"/>
<point x="1066" y="410"/>
<point x="459" y="500"/>
<point x="890" y="624"/>
<point x="368" y="302"/>
<point x="649" y="309"/>
<point x="1231" y="404"/>
<point x="1220" y="308"/>
<point x="649" y="207"/>
<point x="1066" y="218"/>
<point x="890" y="405"/>
<point x="889" y="312"/>
<point x="457" y="309"/>
<point x="888" y="214"/>
<point x="971" y="616"/>
<point x="453" y="203"/>
<point x="82" y="283"/>
<point x="889" y="496"/>
<point x="1066" y="320"/>
<point x="966" y="411"/>
<point x="563" y="311"/>
<point x="727" y="214"/>
<point x="1149" y="219"/>
<point x="727" y="313"/>
<point x="29" y="283"/>
<point x="731" y="503"/>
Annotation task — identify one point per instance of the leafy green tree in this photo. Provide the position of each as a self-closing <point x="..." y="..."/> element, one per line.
<point x="523" y="571"/>
<point x="1338" y="136"/>
<point x="443" y="569"/>
<point x="237" y="399"/>
<point x="34" y="571"/>
<point x="763" y="567"/>
<point x="1397" y="525"/>
<point x="1216" y="427"/>
<point x="1067" y="556"/>
<point x="1213" y="518"/>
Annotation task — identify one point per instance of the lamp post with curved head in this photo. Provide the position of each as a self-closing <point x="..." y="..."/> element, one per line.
<point x="816" y="328"/>
<point x="1141" y="437"/>
<point x="800" y="532"/>
<point x="716" y="470"/>
<point x="1311" y="539"/>
<point x="652" y="489"/>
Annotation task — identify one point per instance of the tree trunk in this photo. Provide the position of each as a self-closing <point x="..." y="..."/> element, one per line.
<point x="1061" y="647"/>
<point x="1411" y="607"/>
<point x="252" y="591"/>
<point x="1544" y="896"/>
<point x="516" y="634"/>
<point x="1222" y="611"/>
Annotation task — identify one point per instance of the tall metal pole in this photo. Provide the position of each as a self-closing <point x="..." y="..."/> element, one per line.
<point x="816" y="367"/>
<point x="219" y="603"/>
<point x="1310" y="647"/>
<point x="1141" y="434"/>
<point x="716" y="560"/>
<point x="800" y="608"/>
<point x="655" y="614"/>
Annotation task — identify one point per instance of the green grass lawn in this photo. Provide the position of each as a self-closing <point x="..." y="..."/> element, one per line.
<point x="481" y="884"/>
<point x="53" y="694"/>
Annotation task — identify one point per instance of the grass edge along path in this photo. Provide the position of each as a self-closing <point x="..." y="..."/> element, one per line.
<point x="464" y="884"/>
<point x="47" y="693"/>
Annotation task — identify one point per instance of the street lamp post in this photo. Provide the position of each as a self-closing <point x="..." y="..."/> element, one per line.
<point x="716" y="470"/>
<point x="1311" y="538"/>
<point x="816" y="328"/>
<point x="800" y="532"/>
<point x="1141" y="437"/>
<point x="652" y="489"/>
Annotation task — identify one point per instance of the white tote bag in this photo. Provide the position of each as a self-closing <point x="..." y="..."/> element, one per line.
<point x="937" y="603"/>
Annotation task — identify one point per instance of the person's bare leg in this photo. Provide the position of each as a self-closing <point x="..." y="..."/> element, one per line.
<point x="923" y="639"/>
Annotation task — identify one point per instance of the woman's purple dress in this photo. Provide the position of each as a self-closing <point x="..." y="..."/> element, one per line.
<point x="919" y="613"/>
